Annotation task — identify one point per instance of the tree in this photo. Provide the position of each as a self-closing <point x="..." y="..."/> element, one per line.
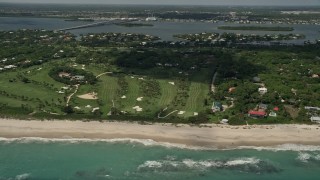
<point x="25" y="80"/>
<point x="68" y="109"/>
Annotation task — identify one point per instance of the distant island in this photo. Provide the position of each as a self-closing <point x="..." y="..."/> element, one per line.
<point x="134" y="24"/>
<point x="256" y="28"/>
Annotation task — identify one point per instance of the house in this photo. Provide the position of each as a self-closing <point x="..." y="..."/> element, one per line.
<point x="232" y="89"/>
<point x="64" y="74"/>
<point x="217" y="106"/>
<point x="224" y="121"/>
<point x="257" y="114"/>
<point x="273" y="114"/>
<point x="263" y="106"/>
<point x="10" y="66"/>
<point x="312" y="108"/>
<point x="315" y="119"/>
<point x="78" y="78"/>
<point x="276" y="108"/>
<point x="263" y="90"/>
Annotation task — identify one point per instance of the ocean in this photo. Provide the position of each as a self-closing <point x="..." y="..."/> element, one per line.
<point x="41" y="159"/>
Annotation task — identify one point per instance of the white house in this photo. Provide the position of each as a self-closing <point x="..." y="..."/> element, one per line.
<point x="10" y="66"/>
<point x="263" y="90"/>
<point x="312" y="108"/>
<point x="315" y="119"/>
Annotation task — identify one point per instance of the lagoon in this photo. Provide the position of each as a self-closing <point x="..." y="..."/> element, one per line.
<point x="164" y="29"/>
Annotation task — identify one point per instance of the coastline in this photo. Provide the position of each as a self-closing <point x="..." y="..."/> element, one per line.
<point x="206" y="136"/>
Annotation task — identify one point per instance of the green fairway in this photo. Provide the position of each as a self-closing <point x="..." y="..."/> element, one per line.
<point x="107" y="92"/>
<point x="168" y="92"/>
<point x="197" y="94"/>
<point x="131" y="96"/>
<point x="35" y="93"/>
<point x="11" y="102"/>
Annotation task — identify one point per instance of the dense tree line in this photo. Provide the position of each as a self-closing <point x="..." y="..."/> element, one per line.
<point x="88" y="76"/>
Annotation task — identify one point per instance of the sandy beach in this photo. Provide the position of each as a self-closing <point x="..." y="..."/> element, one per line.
<point x="211" y="135"/>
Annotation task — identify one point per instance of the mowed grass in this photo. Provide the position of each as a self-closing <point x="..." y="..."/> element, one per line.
<point x="198" y="92"/>
<point x="131" y="96"/>
<point x="43" y="76"/>
<point x="27" y="89"/>
<point x="168" y="92"/>
<point x="30" y="90"/>
<point x="108" y="87"/>
<point x="11" y="102"/>
<point x="109" y="91"/>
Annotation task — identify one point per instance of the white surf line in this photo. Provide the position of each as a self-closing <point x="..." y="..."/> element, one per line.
<point x="70" y="96"/>
<point x="103" y="74"/>
<point x="166" y="115"/>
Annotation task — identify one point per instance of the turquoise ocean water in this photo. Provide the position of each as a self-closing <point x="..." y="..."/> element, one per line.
<point x="47" y="159"/>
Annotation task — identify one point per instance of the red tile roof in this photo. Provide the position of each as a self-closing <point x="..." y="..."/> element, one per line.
<point x="258" y="113"/>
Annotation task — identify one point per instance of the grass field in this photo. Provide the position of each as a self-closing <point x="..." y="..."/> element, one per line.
<point x="41" y="93"/>
<point x="168" y="92"/>
<point x="107" y="92"/>
<point x="29" y="93"/>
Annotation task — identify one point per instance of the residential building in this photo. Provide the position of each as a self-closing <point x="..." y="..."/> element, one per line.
<point x="263" y="90"/>
<point x="315" y="119"/>
<point x="216" y="107"/>
<point x="257" y="114"/>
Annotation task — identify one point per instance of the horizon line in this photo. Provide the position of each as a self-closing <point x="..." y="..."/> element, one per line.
<point x="128" y="4"/>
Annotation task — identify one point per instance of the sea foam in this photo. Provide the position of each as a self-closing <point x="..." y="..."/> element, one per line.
<point x="145" y="142"/>
<point x="283" y="147"/>
<point x="243" y="164"/>
<point x="24" y="176"/>
<point x="306" y="157"/>
<point x="150" y="142"/>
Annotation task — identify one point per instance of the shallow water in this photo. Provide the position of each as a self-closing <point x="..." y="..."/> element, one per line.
<point x="131" y="159"/>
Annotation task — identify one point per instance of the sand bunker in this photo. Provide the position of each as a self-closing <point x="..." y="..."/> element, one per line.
<point x="181" y="112"/>
<point x="172" y="83"/>
<point x="89" y="96"/>
<point x="139" y="98"/>
<point x="95" y="109"/>
<point x="137" y="108"/>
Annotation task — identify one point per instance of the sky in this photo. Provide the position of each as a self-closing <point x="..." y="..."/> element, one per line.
<point x="181" y="2"/>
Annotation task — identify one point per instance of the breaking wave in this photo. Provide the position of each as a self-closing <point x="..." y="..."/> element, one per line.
<point x="145" y="142"/>
<point x="150" y="142"/>
<point x="306" y="157"/>
<point x="250" y="165"/>
<point x="24" y="176"/>
<point x="283" y="147"/>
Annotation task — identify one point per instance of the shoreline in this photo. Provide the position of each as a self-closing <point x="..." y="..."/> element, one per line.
<point x="206" y="136"/>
